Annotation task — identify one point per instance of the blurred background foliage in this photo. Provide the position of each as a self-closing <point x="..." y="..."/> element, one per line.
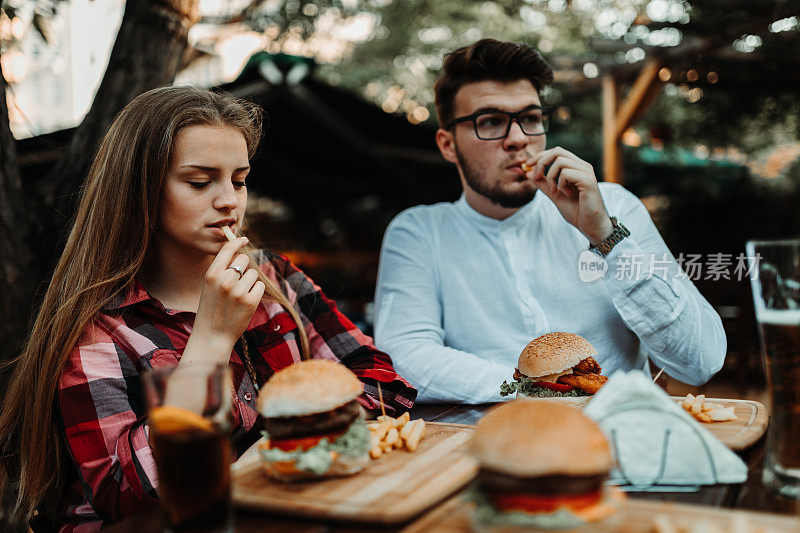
<point x="715" y="163"/>
<point x="714" y="158"/>
<point x="721" y="160"/>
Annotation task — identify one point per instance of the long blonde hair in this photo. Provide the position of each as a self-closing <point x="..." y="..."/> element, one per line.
<point x="109" y="245"/>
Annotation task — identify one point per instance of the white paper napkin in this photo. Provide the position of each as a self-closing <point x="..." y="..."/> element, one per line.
<point x="655" y="441"/>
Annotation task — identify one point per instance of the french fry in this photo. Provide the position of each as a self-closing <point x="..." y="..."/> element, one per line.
<point x="417" y="431"/>
<point x="406" y="430"/>
<point x="392" y="436"/>
<point x="697" y="404"/>
<point x="387" y="434"/>
<point x="707" y="411"/>
<point x="722" y="414"/>
<point x="402" y="420"/>
<point x="383" y="428"/>
<point x="228" y="233"/>
<point x="687" y="402"/>
<point x="702" y="417"/>
<point x="374" y="441"/>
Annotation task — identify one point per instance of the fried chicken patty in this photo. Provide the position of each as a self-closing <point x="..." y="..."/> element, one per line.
<point x="590" y="383"/>
<point x="587" y="366"/>
<point x="585" y="376"/>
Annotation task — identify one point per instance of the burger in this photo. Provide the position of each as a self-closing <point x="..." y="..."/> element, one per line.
<point x="556" y="364"/>
<point x="540" y="464"/>
<point x="314" y="425"/>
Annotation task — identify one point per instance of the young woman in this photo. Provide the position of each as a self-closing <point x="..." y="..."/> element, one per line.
<point x="148" y="279"/>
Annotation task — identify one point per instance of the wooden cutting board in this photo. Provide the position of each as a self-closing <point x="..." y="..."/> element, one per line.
<point x="633" y="516"/>
<point x="391" y="489"/>
<point x="750" y="424"/>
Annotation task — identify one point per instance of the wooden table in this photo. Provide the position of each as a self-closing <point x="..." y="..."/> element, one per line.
<point x="751" y="495"/>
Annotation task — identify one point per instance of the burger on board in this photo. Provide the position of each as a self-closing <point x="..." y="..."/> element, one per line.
<point x="556" y="364"/>
<point x="314" y="424"/>
<point x="541" y="464"/>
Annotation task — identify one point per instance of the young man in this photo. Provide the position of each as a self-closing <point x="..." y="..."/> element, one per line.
<point x="464" y="286"/>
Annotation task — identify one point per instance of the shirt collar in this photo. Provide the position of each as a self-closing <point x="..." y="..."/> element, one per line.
<point x="522" y="216"/>
<point x="133" y="294"/>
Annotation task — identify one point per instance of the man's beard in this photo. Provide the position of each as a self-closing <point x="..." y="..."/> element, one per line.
<point x="495" y="193"/>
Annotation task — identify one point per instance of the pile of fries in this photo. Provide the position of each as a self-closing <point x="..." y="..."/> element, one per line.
<point x="707" y="411"/>
<point x="389" y="434"/>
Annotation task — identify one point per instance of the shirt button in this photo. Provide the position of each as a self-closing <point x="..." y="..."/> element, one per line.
<point x="276" y="327"/>
<point x="247" y="397"/>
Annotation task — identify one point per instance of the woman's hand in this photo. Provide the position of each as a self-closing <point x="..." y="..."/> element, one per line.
<point x="227" y="304"/>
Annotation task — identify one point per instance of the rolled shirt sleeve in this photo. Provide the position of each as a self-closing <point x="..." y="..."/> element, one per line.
<point x="679" y="329"/>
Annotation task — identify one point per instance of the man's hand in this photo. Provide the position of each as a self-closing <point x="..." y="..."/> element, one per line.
<point x="571" y="184"/>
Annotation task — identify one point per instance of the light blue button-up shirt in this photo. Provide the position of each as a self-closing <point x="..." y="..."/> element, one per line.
<point x="460" y="294"/>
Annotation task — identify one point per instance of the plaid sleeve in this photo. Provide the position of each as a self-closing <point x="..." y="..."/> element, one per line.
<point x="333" y="336"/>
<point x="101" y="406"/>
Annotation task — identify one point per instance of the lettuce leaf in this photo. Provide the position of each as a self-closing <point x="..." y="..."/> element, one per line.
<point x="354" y="442"/>
<point x="527" y="387"/>
<point x="486" y="514"/>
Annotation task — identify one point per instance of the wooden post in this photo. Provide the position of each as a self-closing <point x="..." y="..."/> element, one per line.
<point x="642" y="93"/>
<point x="612" y="152"/>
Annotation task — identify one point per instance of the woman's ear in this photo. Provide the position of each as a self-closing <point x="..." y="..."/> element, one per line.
<point x="446" y="144"/>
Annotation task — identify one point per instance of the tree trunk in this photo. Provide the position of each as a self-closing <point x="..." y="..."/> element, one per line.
<point x="15" y="253"/>
<point x="147" y="53"/>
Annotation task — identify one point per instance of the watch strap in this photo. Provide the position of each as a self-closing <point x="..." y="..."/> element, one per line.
<point x="617" y="234"/>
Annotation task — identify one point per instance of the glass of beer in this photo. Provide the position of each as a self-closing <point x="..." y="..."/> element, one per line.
<point x="775" y="281"/>
<point x="190" y="416"/>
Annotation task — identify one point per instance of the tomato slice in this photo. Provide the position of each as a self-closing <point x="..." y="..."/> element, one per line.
<point x="558" y="387"/>
<point x="303" y="443"/>
<point x="541" y="503"/>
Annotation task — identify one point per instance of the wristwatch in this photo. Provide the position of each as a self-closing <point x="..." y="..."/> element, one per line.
<point x="617" y="234"/>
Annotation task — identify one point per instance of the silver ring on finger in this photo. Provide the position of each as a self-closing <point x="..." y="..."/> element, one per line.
<point x="237" y="269"/>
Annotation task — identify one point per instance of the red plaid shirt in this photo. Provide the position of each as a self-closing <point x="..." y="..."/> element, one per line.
<point x="100" y="392"/>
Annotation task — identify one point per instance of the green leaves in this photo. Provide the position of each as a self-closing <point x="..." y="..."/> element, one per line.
<point x="528" y="388"/>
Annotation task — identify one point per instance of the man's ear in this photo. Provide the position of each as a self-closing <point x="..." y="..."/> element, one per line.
<point x="446" y="144"/>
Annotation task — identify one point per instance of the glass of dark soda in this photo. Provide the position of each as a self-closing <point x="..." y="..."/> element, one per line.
<point x="189" y="410"/>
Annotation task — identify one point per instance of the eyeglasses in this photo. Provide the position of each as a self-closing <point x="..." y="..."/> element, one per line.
<point x="492" y="125"/>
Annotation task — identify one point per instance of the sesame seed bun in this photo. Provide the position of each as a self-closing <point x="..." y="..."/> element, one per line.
<point x="553" y="353"/>
<point x="308" y="387"/>
<point x="532" y="438"/>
